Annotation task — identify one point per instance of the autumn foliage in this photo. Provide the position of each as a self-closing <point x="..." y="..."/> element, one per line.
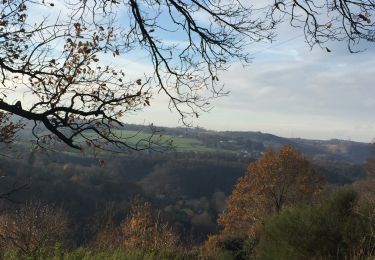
<point x="275" y="180"/>
<point x="143" y="230"/>
<point x="8" y="129"/>
<point x="140" y="230"/>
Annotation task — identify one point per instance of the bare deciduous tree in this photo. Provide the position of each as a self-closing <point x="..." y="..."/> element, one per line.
<point x="329" y="20"/>
<point x="58" y="61"/>
<point x="33" y="227"/>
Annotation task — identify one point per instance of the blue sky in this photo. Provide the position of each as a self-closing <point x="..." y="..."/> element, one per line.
<point x="292" y="91"/>
<point x="288" y="90"/>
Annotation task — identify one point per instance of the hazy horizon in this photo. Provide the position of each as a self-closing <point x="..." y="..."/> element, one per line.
<point x="288" y="90"/>
<point x="292" y="91"/>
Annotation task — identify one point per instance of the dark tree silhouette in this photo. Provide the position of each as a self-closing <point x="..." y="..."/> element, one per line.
<point x="58" y="61"/>
<point x="329" y="20"/>
<point x="8" y="129"/>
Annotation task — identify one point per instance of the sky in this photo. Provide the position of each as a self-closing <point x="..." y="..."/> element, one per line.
<point x="291" y="91"/>
<point x="288" y="90"/>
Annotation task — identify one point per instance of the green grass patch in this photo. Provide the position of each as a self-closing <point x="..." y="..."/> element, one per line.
<point x="143" y="139"/>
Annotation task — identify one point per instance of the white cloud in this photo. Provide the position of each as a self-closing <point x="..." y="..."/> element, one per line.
<point x="287" y="90"/>
<point x="319" y="95"/>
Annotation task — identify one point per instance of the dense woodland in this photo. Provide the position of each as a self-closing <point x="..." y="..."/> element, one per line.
<point x="87" y="200"/>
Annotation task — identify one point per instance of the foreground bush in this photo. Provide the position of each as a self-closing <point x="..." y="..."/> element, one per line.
<point x="224" y="246"/>
<point x="142" y="230"/>
<point x="339" y="228"/>
<point x="32" y="227"/>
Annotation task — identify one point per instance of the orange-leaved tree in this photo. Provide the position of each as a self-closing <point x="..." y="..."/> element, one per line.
<point x="277" y="179"/>
<point x="143" y="230"/>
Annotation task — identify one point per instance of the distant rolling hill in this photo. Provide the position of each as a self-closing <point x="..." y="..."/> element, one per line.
<point x="248" y="143"/>
<point x="255" y="142"/>
<point x="338" y="161"/>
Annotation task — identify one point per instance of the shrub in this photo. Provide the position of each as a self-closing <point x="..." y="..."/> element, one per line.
<point x="32" y="227"/>
<point x="224" y="246"/>
<point x="337" y="228"/>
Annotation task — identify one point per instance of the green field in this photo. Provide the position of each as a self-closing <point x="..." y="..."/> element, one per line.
<point x="143" y="139"/>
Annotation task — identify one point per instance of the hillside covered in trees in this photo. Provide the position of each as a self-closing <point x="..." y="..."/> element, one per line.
<point x="186" y="187"/>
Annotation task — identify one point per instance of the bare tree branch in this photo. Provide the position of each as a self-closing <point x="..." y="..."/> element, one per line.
<point x="60" y="62"/>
